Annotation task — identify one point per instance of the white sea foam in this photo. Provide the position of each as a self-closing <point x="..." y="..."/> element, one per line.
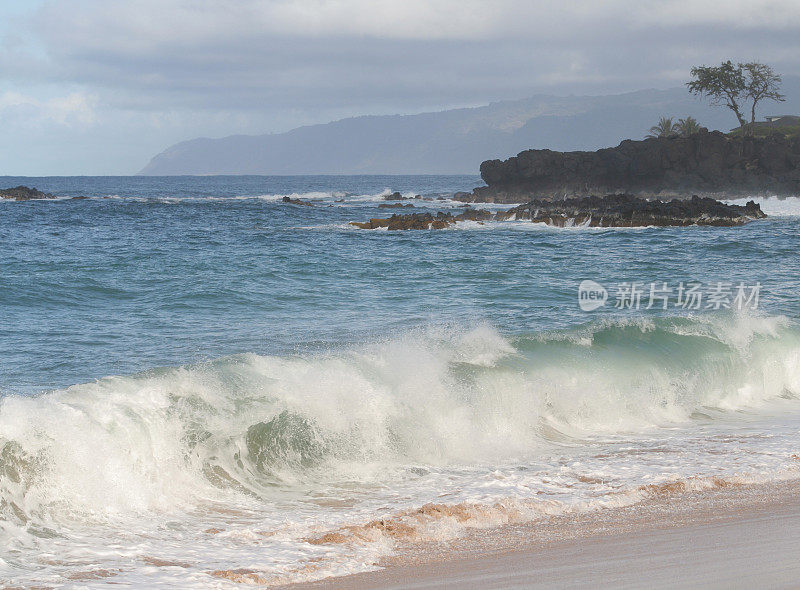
<point x="773" y="206"/>
<point x="235" y="464"/>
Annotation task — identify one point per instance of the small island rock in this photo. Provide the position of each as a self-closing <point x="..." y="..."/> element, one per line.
<point x="23" y="193"/>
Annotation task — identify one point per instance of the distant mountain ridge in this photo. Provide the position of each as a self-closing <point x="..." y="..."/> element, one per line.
<point x="448" y="142"/>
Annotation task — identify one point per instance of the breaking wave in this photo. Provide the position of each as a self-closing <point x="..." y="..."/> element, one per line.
<point x="249" y="424"/>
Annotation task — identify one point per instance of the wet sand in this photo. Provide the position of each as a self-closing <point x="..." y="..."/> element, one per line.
<point x="736" y="537"/>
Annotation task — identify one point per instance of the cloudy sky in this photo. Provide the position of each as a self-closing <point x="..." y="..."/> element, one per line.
<point x="100" y="86"/>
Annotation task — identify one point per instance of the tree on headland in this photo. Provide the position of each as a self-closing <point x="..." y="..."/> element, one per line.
<point x="688" y="126"/>
<point x="762" y="83"/>
<point x="664" y="128"/>
<point x="736" y="86"/>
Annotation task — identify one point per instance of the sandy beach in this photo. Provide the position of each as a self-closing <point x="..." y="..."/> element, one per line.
<point x="734" y="537"/>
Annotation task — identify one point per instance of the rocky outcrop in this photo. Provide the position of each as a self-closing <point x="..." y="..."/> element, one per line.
<point x="23" y="193"/>
<point x="440" y="220"/>
<point x="292" y="201"/>
<point x="397" y="196"/>
<point x="706" y="163"/>
<point x="609" y="211"/>
<point x="630" y="211"/>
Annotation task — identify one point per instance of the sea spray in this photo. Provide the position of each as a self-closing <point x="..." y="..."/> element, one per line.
<point x="272" y="447"/>
<point x="432" y="397"/>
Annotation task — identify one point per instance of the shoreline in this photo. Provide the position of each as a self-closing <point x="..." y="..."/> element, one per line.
<point x="735" y="536"/>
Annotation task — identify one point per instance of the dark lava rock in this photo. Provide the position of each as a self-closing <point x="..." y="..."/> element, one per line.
<point x="608" y="211"/>
<point x="395" y="196"/>
<point x="297" y="202"/>
<point x="23" y="193"/>
<point x="706" y="163"/>
<point x="409" y="221"/>
<point x="424" y="220"/>
<point x="475" y="215"/>
<point x="393" y="206"/>
<point x="631" y="211"/>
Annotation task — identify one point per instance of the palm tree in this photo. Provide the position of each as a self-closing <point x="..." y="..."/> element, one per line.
<point x="688" y="126"/>
<point x="665" y="128"/>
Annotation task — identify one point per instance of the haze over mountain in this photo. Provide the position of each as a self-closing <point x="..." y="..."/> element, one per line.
<point x="452" y="141"/>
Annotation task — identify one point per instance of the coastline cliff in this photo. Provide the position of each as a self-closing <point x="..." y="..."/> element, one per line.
<point x="706" y="163"/>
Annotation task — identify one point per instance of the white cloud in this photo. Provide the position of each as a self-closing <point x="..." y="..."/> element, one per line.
<point x="134" y="26"/>
<point x="737" y="14"/>
<point x="75" y="108"/>
<point x="176" y="69"/>
<point x="272" y="53"/>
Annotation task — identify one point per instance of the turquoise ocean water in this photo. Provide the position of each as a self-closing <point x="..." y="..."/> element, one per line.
<point x="191" y="354"/>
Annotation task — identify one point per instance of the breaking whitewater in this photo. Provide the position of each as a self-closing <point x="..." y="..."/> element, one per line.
<point x="273" y="469"/>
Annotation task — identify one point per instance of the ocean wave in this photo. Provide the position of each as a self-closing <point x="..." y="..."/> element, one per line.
<point x="331" y="197"/>
<point x="304" y="196"/>
<point x="326" y="458"/>
<point x="245" y="424"/>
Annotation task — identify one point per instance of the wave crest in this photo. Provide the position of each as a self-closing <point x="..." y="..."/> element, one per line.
<point x="246" y="424"/>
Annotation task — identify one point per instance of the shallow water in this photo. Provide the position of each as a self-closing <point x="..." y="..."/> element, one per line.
<point x="199" y="379"/>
